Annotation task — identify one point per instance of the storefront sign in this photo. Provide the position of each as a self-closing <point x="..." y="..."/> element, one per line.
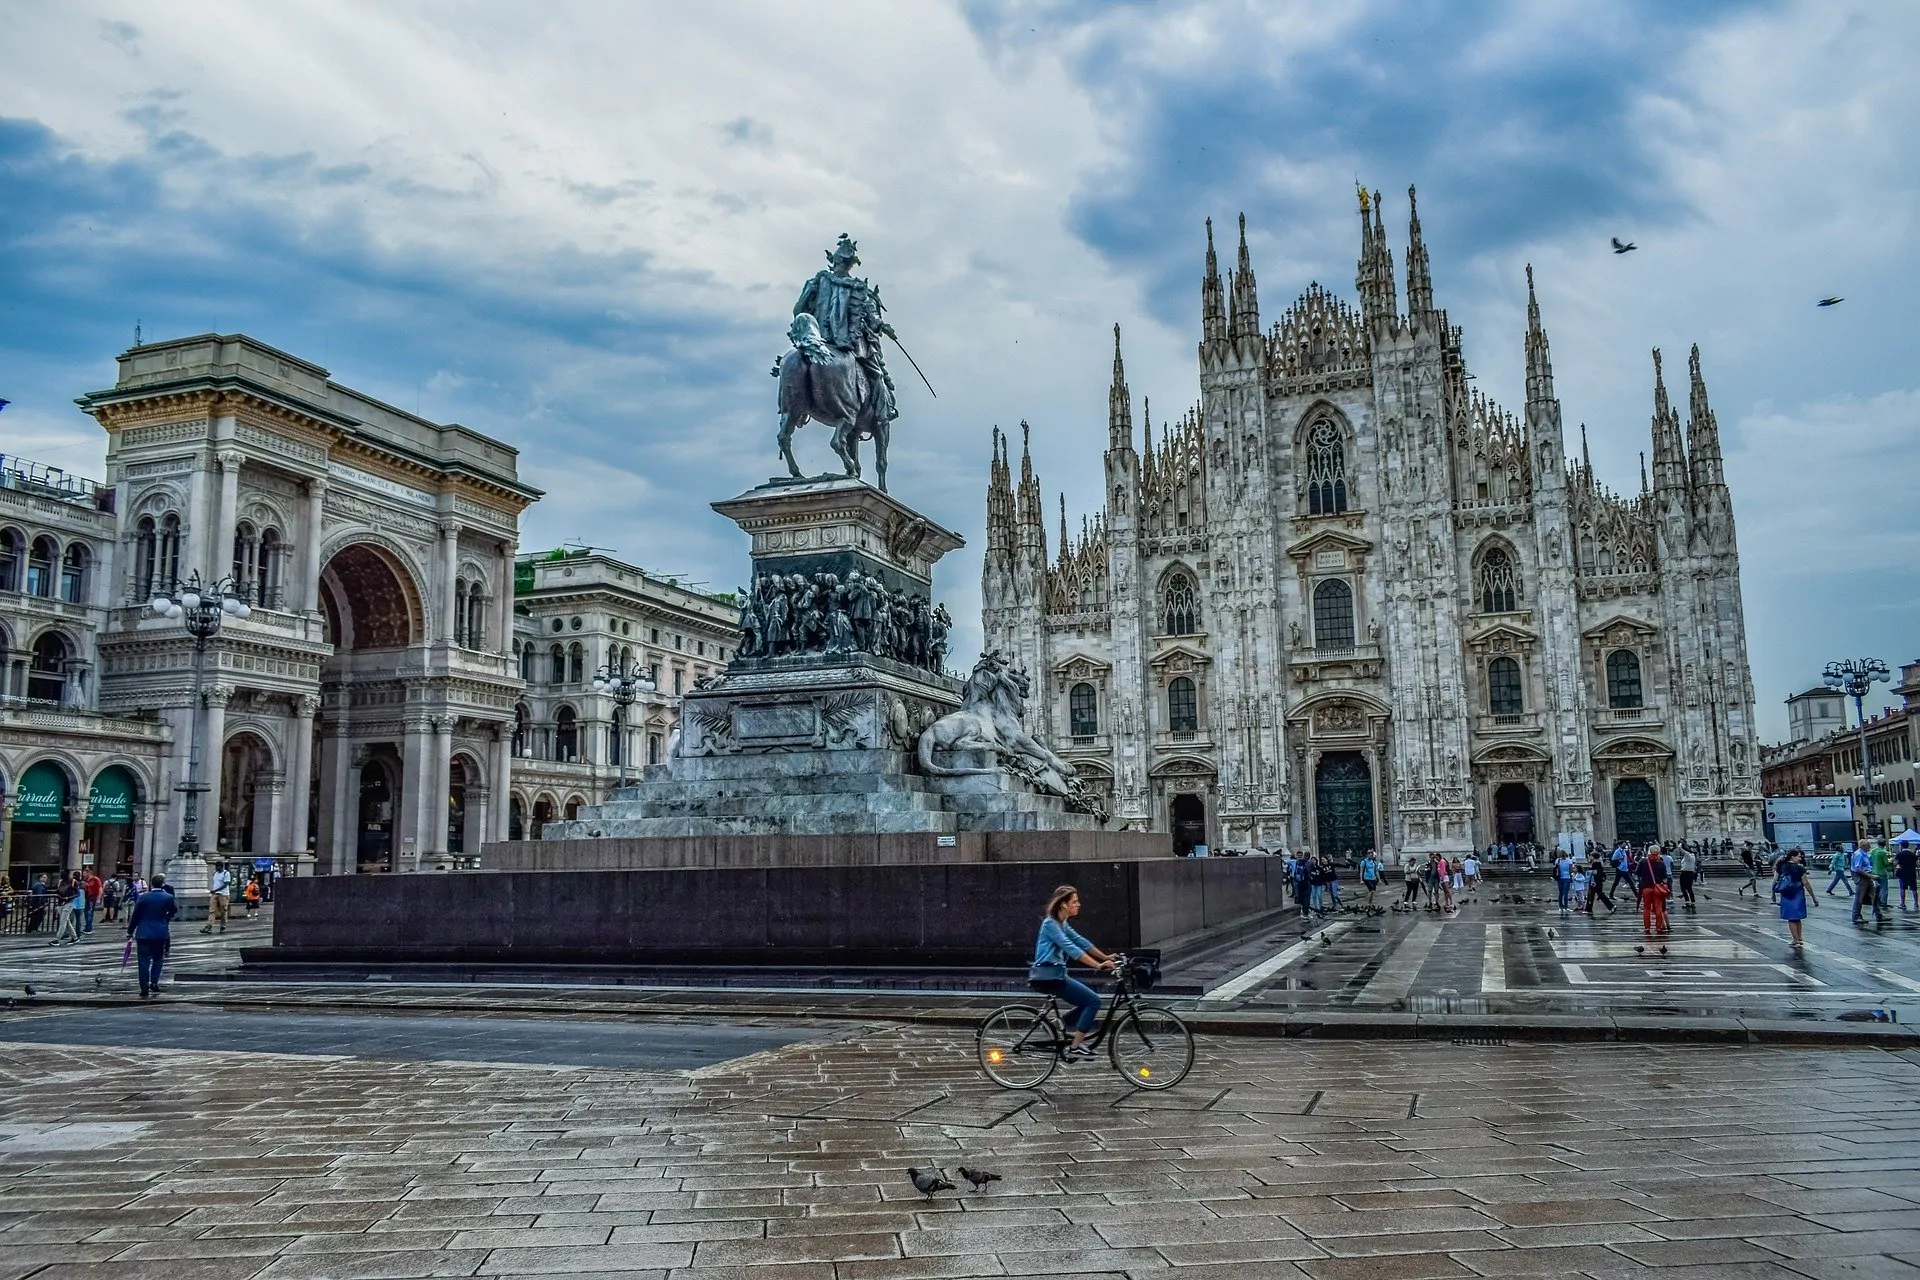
<point x="110" y="800"/>
<point x="42" y="796"/>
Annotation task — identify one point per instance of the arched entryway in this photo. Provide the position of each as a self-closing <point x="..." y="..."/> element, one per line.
<point x="39" y="838"/>
<point x="459" y="771"/>
<point x="1636" y="811"/>
<point x="543" y="813"/>
<point x="1513" y="813"/>
<point x="244" y="817"/>
<point x="369" y="600"/>
<point x="1187" y="814"/>
<point x="1343" y="804"/>
<point x="110" y="820"/>
<point x="378" y="801"/>
<point x="516" y="819"/>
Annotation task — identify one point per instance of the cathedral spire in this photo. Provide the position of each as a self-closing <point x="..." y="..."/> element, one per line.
<point x="999" y="501"/>
<point x="1703" y="433"/>
<point x="1119" y="402"/>
<point x="1669" y="455"/>
<point x="1063" y="528"/>
<point x="1419" y="279"/>
<point x="1539" y="354"/>
<point x="1643" y="473"/>
<point x="1375" y="277"/>
<point x="1586" y="456"/>
<point x="1246" y="299"/>
<point x="1146" y="427"/>
<point x="1029" y="519"/>
<point x="1213" y="303"/>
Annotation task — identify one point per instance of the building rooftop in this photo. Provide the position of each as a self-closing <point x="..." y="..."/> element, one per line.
<point x="44" y="481"/>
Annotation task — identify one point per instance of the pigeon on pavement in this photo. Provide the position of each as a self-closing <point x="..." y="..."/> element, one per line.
<point x="926" y="1182"/>
<point x="979" y="1177"/>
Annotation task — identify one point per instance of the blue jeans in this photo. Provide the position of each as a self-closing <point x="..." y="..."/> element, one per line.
<point x="1839" y="877"/>
<point x="1082" y="997"/>
<point x="1566" y="893"/>
<point x="89" y="917"/>
<point x="150" y="952"/>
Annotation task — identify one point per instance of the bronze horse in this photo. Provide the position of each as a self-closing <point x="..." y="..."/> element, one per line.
<point x="820" y="384"/>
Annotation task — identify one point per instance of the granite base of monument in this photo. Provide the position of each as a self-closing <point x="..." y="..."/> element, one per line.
<point x="946" y="915"/>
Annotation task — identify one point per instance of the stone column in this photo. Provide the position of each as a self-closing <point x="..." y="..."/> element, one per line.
<point x="6" y="834"/>
<point x="449" y="575"/>
<point x="300" y="775"/>
<point x="503" y="626"/>
<point x="76" y="829"/>
<point x="437" y="806"/>
<point x="416" y="785"/>
<point x="267" y="829"/>
<point x="212" y="758"/>
<point x="145" y="861"/>
<point x="336" y="785"/>
<point x="316" y="503"/>
<point x="502" y="781"/>
<point x="229" y="513"/>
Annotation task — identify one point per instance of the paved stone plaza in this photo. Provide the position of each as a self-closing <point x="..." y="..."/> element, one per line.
<point x="1275" y="1159"/>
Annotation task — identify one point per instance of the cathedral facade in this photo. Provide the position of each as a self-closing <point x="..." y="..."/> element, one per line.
<point x="1347" y="602"/>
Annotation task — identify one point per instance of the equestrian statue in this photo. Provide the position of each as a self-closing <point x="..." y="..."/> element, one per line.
<point x="836" y="374"/>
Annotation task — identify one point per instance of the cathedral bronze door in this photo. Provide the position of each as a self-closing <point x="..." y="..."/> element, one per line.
<point x="1636" y="812"/>
<point x="1343" y="804"/>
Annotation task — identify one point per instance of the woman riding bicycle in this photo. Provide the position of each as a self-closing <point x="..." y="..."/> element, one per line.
<point x="1048" y="973"/>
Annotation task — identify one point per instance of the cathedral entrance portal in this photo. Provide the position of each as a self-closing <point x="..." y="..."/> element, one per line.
<point x="1189" y="814"/>
<point x="1513" y="812"/>
<point x="1636" y="811"/>
<point x="1343" y="804"/>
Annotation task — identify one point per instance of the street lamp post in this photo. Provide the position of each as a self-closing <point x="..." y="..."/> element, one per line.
<point x="201" y="609"/>
<point x="1855" y="677"/>
<point x="623" y="682"/>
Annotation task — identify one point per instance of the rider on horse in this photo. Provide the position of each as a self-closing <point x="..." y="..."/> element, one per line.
<point x="852" y="319"/>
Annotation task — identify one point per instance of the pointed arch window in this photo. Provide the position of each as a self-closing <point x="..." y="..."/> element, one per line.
<point x="1326" y="470"/>
<point x="1182" y="614"/>
<point x="1624" y="689"/>
<point x="1505" y="696"/>
<point x="1498" y="584"/>
<point x="1333" y="615"/>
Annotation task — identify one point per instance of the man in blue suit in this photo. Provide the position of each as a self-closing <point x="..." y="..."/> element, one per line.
<point x="148" y="926"/>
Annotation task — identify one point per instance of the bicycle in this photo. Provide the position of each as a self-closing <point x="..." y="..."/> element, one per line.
<point x="1021" y="1045"/>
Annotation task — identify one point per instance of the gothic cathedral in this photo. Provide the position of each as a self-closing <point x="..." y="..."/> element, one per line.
<point x="1347" y="602"/>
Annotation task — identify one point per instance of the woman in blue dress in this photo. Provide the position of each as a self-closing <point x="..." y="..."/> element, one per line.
<point x="1796" y="895"/>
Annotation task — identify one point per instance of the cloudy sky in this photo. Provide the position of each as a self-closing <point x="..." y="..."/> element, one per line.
<point x="581" y="226"/>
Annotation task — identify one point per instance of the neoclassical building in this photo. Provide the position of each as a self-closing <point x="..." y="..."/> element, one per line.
<point x="77" y="788"/>
<point x="1347" y="601"/>
<point x="363" y="714"/>
<point x="580" y="612"/>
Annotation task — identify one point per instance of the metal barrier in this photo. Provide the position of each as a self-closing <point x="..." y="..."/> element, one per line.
<point x="30" y="913"/>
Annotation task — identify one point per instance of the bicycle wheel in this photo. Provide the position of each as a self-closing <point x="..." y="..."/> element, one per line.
<point x="1151" y="1047"/>
<point x="1018" y="1046"/>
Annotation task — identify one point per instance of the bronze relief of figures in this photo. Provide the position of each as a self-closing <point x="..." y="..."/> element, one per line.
<point x="794" y="613"/>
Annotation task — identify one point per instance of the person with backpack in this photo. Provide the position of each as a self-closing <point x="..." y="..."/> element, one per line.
<point x="1622" y="866"/>
<point x="1655" y="883"/>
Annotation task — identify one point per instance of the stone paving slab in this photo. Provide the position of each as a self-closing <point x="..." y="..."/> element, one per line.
<point x="1278" y="1157"/>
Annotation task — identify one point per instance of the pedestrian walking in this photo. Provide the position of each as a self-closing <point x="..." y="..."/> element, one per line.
<point x="1622" y="866"/>
<point x="252" y="897"/>
<point x="1906" y="866"/>
<point x="110" y="900"/>
<point x="1882" y="864"/>
<point x="1563" y="878"/>
<point x="219" y="899"/>
<point x="1689" y="872"/>
<point x="91" y="885"/>
<point x="1412" y="896"/>
<point x="1655" y="883"/>
<point x="1866" y="887"/>
<point x="1753" y="874"/>
<point x="1795" y="894"/>
<point x="1841" y="864"/>
<point x="149" y="924"/>
<point x="1370" y="876"/>
<point x="71" y="904"/>
<point x="1470" y="870"/>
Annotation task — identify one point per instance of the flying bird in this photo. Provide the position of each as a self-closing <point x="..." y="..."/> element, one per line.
<point x="5" y="403"/>
<point x="979" y="1177"/>
<point x="928" y="1182"/>
<point x="1627" y="247"/>
<point x="1824" y="302"/>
